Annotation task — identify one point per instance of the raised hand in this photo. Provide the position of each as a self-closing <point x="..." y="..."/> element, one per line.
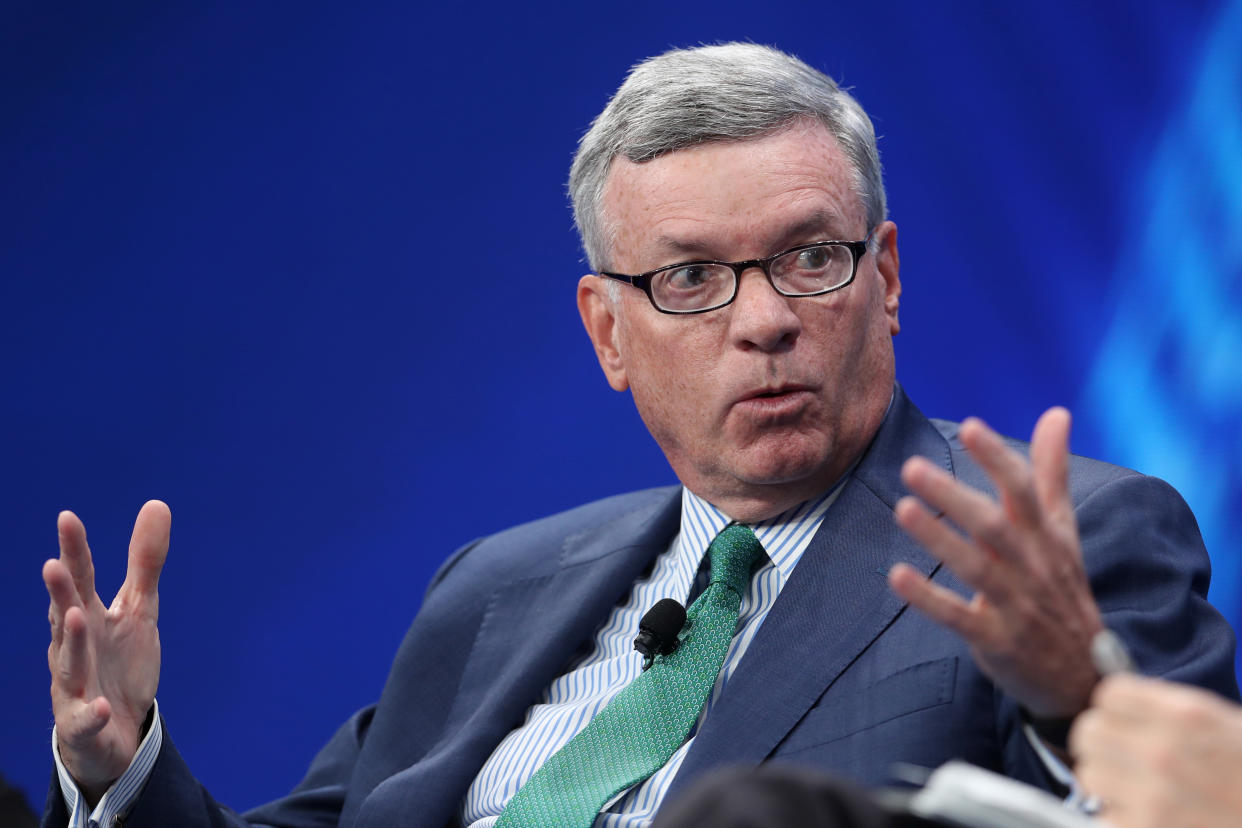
<point x="1032" y="617"/>
<point x="105" y="661"/>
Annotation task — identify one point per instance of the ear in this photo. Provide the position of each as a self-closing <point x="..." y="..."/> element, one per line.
<point x="599" y="316"/>
<point x="888" y="263"/>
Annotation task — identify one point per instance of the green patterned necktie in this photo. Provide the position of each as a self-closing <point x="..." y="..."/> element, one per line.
<point x="644" y="724"/>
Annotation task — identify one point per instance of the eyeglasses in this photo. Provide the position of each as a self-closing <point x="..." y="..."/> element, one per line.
<point x="698" y="287"/>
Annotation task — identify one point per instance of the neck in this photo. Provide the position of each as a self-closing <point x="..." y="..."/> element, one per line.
<point x="754" y="504"/>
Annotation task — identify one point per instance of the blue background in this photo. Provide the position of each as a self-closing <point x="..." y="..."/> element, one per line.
<point x="307" y="273"/>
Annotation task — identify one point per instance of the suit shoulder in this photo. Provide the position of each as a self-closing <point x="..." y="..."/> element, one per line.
<point x="531" y="546"/>
<point x="1087" y="475"/>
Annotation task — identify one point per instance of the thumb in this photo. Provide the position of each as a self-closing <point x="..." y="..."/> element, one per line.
<point x="148" y="548"/>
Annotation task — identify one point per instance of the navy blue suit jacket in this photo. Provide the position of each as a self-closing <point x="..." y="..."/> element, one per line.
<point x="842" y="676"/>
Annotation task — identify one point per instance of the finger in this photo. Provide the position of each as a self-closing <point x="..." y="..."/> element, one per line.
<point x="1009" y="470"/>
<point x="64" y="595"/>
<point x="941" y="605"/>
<point x="1122" y="695"/>
<point x="148" y="549"/>
<point x="981" y="516"/>
<point x="1082" y="733"/>
<point x="1050" y="460"/>
<point x="1118" y="783"/>
<point x="979" y="568"/>
<point x="1141" y="700"/>
<point x="1096" y="733"/>
<point x="84" y="720"/>
<point x="1103" y="769"/>
<point x="75" y="553"/>
<point x="74" y="657"/>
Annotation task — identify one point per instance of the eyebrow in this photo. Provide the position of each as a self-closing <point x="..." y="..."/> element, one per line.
<point x="823" y="225"/>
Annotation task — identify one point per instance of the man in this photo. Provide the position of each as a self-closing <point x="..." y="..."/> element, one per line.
<point x="746" y="291"/>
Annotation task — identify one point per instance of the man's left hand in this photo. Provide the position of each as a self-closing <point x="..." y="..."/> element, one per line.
<point x="1032" y="617"/>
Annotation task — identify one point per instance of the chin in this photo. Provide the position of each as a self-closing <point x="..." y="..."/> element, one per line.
<point x="789" y="461"/>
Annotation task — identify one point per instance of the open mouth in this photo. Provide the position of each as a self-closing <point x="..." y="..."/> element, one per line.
<point x="777" y="392"/>
<point x="776" y="404"/>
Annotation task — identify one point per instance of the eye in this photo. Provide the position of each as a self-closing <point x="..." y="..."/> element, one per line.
<point x="813" y="258"/>
<point x="688" y="277"/>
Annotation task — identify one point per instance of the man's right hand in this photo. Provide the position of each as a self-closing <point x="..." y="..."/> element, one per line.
<point x="105" y="661"/>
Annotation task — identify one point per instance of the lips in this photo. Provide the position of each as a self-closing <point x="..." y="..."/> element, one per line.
<point x="773" y="393"/>
<point x="774" y="405"/>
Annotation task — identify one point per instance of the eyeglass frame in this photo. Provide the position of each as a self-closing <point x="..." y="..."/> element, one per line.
<point x="643" y="280"/>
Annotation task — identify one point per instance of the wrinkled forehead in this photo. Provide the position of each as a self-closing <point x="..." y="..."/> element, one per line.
<point x="795" y="183"/>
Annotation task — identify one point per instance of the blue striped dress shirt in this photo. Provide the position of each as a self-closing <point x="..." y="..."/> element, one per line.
<point x="120" y="798"/>
<point x="575" y="697"/>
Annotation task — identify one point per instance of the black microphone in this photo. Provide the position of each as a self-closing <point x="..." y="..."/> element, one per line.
<point x="657" y="632"/>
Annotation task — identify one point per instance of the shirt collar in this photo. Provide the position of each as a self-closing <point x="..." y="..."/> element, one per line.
<point x="784" y="537"/>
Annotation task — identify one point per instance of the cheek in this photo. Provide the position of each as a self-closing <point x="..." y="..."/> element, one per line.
<point x="850" y="348"/>
<point x="873" y="361"/>
<point x="868" y="321"/>
<point x="668" y="377"/>
<point x="671" y="379"/>
<point x="666" y="352"/>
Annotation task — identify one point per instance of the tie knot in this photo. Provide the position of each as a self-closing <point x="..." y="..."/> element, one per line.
<point x="732" y="554"/>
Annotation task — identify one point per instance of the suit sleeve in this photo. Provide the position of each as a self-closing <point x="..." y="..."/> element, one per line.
<point x="172" y="796"/>
<point x="1149" y="572"/>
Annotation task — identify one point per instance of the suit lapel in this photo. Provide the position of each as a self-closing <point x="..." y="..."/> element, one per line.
<point x="562" y="609"/>
<point x="555" y="608"/>
<point x="835" y="604"/>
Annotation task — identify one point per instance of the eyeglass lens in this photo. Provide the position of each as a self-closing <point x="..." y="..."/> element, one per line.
<point x="802" y="272"/>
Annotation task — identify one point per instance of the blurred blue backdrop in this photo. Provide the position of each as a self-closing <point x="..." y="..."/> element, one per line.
<point x="230" y="253"/>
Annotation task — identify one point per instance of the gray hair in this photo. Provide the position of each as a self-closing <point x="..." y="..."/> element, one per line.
<point x="729" y="92"/>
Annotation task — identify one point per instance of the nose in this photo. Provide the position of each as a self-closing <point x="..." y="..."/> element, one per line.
<point x="762" y="319"/>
